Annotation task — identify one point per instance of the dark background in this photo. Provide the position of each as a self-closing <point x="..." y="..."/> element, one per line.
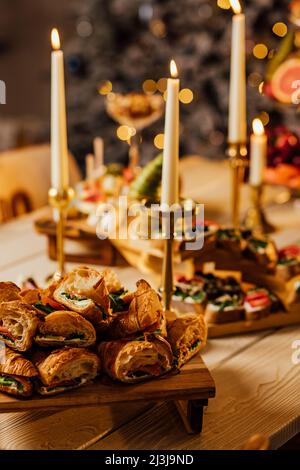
<point x="127" y="42"/>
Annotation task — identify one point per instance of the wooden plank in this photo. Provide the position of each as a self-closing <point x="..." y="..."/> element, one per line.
<point x="69" y="429"/>
<point x="193" y="382"/>
<point x="257" y="392"/>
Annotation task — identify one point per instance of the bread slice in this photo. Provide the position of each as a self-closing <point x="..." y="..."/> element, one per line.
<point x="224" y="310"/>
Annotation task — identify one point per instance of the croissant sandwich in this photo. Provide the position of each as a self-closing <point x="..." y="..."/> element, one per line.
<point x="18" y="324"/>
<point x="64" y="328"/>
<point x="136" y="360"/>
<point x="66" y="369"/>
<point x="9" y="291"/>
<point x="16" y="373"/>
<point x="187" y="335"/>
<point x="144" y="312"/>
<point x="84" y="291"/>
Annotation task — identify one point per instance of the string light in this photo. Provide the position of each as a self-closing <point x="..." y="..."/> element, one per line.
<point x="159" y="141"/>
<point x="186" y="96"/>
<point x="280" y="29"/>
<point x="105" y="87"/>
<point x="149" y="86"/>
<point x="260" y="51"/>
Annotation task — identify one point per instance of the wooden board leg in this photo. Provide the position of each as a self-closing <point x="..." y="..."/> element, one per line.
<point x="191" y="413"/>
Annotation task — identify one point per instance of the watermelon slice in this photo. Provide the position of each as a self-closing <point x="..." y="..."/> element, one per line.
<point x="284" y="77"/>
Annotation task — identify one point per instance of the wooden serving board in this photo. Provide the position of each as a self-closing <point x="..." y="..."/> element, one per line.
<point x="190" y="389"/>
<point x="274" y="320"/>
<point x="82" y="244"/>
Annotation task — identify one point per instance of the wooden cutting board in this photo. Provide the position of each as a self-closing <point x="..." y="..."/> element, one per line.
<point x="190" y="389"/>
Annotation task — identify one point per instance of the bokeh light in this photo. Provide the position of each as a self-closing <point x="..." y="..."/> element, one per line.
<point x="84" y="28"/>
<point x="159" y="141"/>
<point x="224" y="4"/>
<point x="280" y="29"/>
<point x="254" y="79"/>
<point x="125" y="132"/>
<point x="264" y="117"/>
<point x="105" y="87"/>
<point x="261" y="87"/>
<point x="162" y="84"/>
<point x="149" y="86"/>
<point x="260" y="51"/>
<point x="186" y="96"/>
<point x="158" y="28"/>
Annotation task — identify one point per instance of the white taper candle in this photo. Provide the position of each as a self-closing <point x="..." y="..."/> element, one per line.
<point x="170" y="172"/>
<point x="237" y="128"/>
<point x="258" y="153"/>
<point x="59" y="145"/>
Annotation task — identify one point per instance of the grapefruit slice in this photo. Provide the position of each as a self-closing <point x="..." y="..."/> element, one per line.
<point x="284" y="77"/>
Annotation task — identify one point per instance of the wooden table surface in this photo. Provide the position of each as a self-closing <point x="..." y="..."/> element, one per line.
<point x="257" y="383"/>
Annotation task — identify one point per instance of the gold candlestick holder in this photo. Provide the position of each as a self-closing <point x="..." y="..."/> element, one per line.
<point x="255" y="219"/>
<point x="60" y="201"/>
<point x="167" y="272"/>
<point x="237" y="153"/>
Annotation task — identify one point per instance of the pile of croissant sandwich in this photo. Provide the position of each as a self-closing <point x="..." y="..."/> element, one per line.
<point x="84" y="325"/>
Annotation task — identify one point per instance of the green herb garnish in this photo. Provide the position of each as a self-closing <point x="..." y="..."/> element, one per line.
<point x="9" y="381"/>
<point x="256" y="243"/>
<point x="117" y="302"/>
<point x="44" y="308"/>
<point x="73" y="297"/>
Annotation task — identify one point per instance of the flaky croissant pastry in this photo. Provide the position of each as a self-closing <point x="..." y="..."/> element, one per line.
<point x="16" y="373"/>
<point x="65" y="369"/>
<point x="84" y="291"/>
<point x="136" y="360"/>
<point x="144" y="312"/>
<point x="65" y="328"/>
<point x="18" y="324"/>
<point x="187" y="335"/>
<point x="9" y="291"/>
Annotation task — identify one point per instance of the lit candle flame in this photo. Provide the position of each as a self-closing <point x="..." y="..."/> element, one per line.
<point x="258" y="127"/>
<point x="236" y="6"/>
<point x="55" y="39"/>
<point x="173" y="69"/>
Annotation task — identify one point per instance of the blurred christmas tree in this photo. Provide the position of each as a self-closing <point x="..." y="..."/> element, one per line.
<point x="121" y="43"/>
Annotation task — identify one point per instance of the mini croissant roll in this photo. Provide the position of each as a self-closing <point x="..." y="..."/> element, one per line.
<point x="187" y="335"/>
<point x="16" y="373"/>
<point x="144" y="312"/>
<point x="66" y="369"/>
<point x="84" y="291"/>
<point x="65" y="328"/>
<point x="134" y="361"/>
<point x="9" y="291"/>
<point x="18" y="324"/>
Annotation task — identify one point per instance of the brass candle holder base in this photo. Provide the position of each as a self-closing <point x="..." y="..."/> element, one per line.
<point x="60" y="202"/>
<point x="167" y="272"/>
<point x="255" y="219"/>
<point x="237" y="153"/>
